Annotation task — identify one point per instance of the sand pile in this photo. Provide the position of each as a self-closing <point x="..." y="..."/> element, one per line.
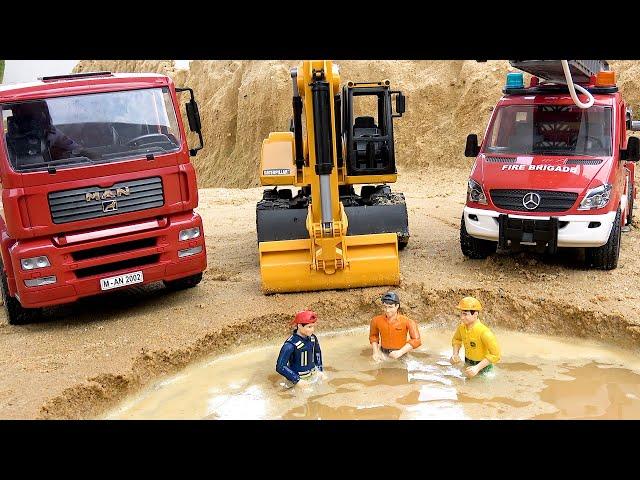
<point x="242" y="101"/>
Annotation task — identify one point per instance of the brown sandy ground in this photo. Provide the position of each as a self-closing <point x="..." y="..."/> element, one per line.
<point x="84" y="358"/>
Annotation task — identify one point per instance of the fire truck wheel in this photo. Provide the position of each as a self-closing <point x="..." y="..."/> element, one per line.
<point x="474" y="247"/>
<point x="606" y="256"/>
<point x="182" y="283"/>
<point x="16" y="314"/>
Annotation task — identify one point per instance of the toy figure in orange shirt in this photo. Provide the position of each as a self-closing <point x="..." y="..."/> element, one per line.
<point x="388" y="332"/>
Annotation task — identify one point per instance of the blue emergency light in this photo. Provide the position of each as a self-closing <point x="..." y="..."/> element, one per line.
<point x="515" y="80"/>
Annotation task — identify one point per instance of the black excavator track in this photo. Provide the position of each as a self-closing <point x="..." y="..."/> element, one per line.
<point x="382" y="212"/>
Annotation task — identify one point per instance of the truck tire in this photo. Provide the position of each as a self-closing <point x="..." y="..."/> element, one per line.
<point x="183" y="283"/>
<point x="606" y="256"/>
<point x="475" y="248"/>
<point x="16" y="313"/>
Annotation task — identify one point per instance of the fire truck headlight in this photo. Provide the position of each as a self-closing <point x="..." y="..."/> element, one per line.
<point x="34" y="262"/>
<point x="596" y="197"/>
<point x="475" y="193"/>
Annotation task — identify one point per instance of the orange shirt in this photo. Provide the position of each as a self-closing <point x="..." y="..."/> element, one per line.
<point x="394" y="335"/>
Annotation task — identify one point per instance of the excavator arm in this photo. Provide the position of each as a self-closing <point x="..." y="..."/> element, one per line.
<point x="328" y="258"/>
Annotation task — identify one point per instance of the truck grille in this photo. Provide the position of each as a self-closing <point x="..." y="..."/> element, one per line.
<point x="114" y="267"/>
<point x="549" y="201"/>
<point x="95" y="202"/>
<point x="113" y="249"/>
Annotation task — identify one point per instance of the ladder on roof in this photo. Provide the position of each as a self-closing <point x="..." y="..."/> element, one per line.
<point x="551" y="70"/>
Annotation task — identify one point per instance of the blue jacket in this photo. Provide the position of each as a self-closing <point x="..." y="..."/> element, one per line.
<point x="298" y="356"/>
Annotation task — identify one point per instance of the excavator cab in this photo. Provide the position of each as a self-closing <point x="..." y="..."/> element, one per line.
<point x="369" y="135"/>
<point x="325" y="235"/>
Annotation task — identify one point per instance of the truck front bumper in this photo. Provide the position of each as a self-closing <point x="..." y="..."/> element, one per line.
<point x="80" y="259"/>
<point x="572" y="230"/>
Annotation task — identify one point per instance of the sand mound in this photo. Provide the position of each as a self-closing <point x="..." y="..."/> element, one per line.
<point x="242" y="101"/>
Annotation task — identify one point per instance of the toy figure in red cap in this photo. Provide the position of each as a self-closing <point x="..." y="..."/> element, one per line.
<point x="300" y="358"/>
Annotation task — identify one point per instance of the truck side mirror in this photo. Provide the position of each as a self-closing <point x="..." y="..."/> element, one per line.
<point x="400" y="103"/>
<point x="193" y="116"/>
<point x="472" y="149"/>
<point x="635" y="125"/>
<point x="632" y="153"/>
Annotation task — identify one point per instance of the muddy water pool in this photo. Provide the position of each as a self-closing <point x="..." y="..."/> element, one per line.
<point x="539" y="377"/>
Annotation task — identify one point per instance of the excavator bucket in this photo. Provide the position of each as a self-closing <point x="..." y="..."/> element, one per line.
<point x="287" y="265"/>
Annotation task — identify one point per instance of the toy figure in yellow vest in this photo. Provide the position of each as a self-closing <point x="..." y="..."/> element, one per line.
<point x="481" y="349"/>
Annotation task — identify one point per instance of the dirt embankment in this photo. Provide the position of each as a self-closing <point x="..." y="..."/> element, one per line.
<point x="242" y="101"/>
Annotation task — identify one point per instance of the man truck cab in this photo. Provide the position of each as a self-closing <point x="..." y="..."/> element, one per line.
<point x="551" y="174"/>
<point x="97" y="189"/>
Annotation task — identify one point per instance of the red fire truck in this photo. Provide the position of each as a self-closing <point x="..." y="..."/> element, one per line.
<point x="97" y="189"/>
<point x="552" y="173"/>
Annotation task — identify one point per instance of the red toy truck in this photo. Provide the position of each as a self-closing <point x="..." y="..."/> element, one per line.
<point x="551" y="174"/>
<point x="97" y="189"/>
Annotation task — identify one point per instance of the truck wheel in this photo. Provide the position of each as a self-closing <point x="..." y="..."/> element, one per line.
<point x="606" y="256"/>
<point x="475" y="247"/>
<point x="16" y="313"/>
<point x="183" y="283"/>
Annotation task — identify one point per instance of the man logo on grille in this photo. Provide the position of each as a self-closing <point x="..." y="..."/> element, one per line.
<point x="531" y="201"/>
<point x="111" y="206"/>
<point x="107" y="194"/>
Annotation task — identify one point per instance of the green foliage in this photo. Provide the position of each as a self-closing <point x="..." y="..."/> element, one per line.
<point x="1" y="70"/>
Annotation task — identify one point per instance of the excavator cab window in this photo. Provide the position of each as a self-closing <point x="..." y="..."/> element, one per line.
<point x="367" y="120"/>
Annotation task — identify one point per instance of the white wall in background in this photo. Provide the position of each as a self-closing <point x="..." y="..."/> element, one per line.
<point x="30" y="70"/>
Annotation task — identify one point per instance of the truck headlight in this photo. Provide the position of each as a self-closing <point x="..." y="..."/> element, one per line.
<point x="475" y="193"/>
<point x="596" y="197"/>
<point x="34" y="262"/>
<point x="189" y="234"/>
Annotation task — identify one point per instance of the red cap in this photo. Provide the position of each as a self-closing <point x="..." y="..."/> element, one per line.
<point x="305" y="316"/>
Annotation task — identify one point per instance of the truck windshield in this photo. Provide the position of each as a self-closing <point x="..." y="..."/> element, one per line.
<point x="87" y="129"/>
<point x="551" y="130"/>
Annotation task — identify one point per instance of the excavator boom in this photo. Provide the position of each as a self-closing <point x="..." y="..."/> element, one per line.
<point x="327" y="257"/>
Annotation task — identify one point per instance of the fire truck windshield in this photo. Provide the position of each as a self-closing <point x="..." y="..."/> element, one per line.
<point x="85" y="129"/>
<point x="550" y="130"/>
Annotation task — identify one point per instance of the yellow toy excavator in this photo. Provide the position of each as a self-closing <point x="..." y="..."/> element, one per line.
<point x="327" y="236"/>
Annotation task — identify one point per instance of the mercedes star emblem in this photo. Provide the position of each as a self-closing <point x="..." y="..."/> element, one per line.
<point x="531" y="201"/>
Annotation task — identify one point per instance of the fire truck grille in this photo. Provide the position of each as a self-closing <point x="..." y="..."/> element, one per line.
<point x="549" y="201"/>
<point x="95" y="202"/>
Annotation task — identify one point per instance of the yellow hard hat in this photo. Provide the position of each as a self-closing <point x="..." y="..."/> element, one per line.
<point x="469" y="303"/>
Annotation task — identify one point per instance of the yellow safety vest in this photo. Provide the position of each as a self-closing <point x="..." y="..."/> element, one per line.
<point x="479" y="342"/>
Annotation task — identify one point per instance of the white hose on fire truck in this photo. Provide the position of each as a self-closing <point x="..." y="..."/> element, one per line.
<point x="572" y="87"/>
